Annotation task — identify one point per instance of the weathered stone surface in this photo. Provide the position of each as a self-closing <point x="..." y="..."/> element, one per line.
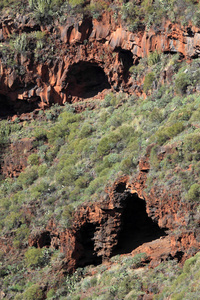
<point x="99" y="42"/>
<point x="127" y="220"/>
<point x="15" y="160"/>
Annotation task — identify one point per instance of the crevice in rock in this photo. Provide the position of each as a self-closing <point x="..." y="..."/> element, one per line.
<point x="85" y="80"/>
<point x="10" y="108"/>
<point x="136" y="227"/>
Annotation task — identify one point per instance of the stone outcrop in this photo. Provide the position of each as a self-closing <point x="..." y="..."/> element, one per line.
<point x="15" y="159"/>
<point x="104" y="48"/>
<point x="126" y="220"/>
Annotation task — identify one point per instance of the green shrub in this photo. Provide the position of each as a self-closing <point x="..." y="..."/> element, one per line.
<point x="127" y="165"/>
<point x="13" y="220"/>
<point x="21" y="236"/>
<point x="50" y="293"/>
<point x="107" y="143"/>
<point x="137" y="259"/>
<point x="181" y="83"/>
<point x="40" y="134"/>
<point x="174" y="129"/>
<point x="43" y="9"/>
<point x="74" y="3"/>
<point x="42" y="170"/>
<point x="28" y="177"/>
<point x="167" y="133"/>
<point x="20" y="43"/>
<point x="194" y="192"/>
<point x="33" y="159"/>
<point x="33" y="292"/>
<point x="34" y="257"/>
<point x="192" y="142"/>
<point x="154" y="58"/>
<point x="148" y="81"/>
<point x="156" y="115"/>
<point x="86" y="130"/>
<point x="95" y="185"/>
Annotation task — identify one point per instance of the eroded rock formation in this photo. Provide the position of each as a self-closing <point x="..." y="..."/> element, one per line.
<point x="127" y="220"/>
<point x="104" y="48"/>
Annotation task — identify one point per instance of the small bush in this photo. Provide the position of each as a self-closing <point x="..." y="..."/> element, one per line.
<point x="194" y="192"/>
<point x="34" y="257"/>
<point x="107" y="143"/>
<point x="42" y="170"/>
<point x="33" y="159"/>
<point x="20" y="43"/>
<point x="181" y="83"/>
<point x="154" y="58"/>
<point x="148" y="81"/>
<point x="167" y="133"/>
<point x="33" y="292"/>
<point x="28" y="177"/>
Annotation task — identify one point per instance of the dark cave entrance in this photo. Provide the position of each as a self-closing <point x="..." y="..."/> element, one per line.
<point x="10" y="108"/>
<point x="137" y="227"/>
<point x="6" y="109"/>
<point x="126" y="58"/>
<point x="45" y="239"/>
<point x="85" y="80"/>
<point x="86" y="239"/>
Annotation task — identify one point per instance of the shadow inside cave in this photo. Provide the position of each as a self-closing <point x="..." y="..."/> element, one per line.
<point x="86" y="239"/>
<point x="126" y="58"/>
<point x="10" y="108"/>
<point x="86" y="80"/>
<point x="137" y="227"/>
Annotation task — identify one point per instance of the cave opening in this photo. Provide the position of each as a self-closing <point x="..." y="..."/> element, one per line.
<point x="126" y="58"/>
<point x="6" y="109"/>
<point x="86" y="239"/>
<point x="45" y="239"/>
<point x="85" y="80"/>
<point x="10" y="108"/>
<point x="137" y="228"/>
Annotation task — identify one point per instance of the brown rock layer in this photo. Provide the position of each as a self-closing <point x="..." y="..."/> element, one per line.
<point x="94" y="55"/>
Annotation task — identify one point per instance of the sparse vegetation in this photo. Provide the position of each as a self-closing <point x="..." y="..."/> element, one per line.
<point x="75" y="156"/>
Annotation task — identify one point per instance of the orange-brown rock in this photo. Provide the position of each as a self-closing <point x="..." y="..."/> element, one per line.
<point x="126" y="220"/>
<point x="103" y="47"/>
<point x="15" y="159"/>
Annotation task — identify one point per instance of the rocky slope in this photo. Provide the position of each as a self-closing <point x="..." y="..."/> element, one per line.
<point x="89" y="58"/>
<point x="104" y="48"/>
<point x="127" y="220"/>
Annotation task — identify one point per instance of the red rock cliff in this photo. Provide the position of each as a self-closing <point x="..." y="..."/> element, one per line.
<point x="93" y="56"/>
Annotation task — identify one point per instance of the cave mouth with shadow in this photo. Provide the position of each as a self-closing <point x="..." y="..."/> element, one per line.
<point x="86" y="239"/>
<point x="86" y="80"/>
<point x="137" y="228"/>
<point x="10" y="108"/>
<point x="126" y="58"/>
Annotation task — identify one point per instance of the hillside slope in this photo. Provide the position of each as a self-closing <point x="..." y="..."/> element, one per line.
<point x="99" y="150"/>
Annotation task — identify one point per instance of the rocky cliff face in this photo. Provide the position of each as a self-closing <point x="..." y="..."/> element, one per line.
<point x="126" y="220"/>
<point x="102" y="47"/>
<point x="96" y="56"/>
